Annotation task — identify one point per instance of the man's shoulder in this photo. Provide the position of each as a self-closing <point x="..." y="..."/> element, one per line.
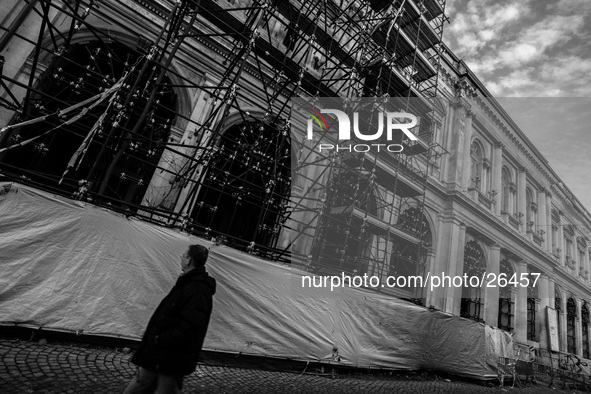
<point x="201" y="282"/>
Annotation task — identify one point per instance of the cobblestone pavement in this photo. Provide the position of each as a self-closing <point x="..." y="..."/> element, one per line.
<point x="38" y="367"/>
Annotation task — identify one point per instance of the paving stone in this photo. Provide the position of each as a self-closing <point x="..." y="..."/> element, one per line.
<point x="60" y="368"/>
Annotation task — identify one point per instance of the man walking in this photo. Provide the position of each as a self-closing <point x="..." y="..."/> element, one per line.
<point x="173" y="339"/>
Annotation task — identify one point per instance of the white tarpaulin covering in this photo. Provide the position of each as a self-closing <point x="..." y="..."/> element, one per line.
<point x="72" y="266"/>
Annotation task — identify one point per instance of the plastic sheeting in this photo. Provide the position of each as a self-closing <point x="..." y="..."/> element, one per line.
<point x="66" y="265"/>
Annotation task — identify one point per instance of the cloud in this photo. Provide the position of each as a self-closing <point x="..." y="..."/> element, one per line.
<point x="485" y="19"/>
<point x="520" y="49"/>
<point x="570" y="7"/>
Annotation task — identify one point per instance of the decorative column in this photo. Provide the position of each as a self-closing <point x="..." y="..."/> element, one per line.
<point x="466" y="159"/>
<point x="575" y="252"/>
<point x="544" y="294"/>
<point x="587" y="280"/>
<point x="458" y="160"/>
<point x="497" y="164"/>
<point x="450" y="233"/>
<point x="542" y="229"/>
<point x="552" y="301"/>
<point x="203" y="107"/>
<point x="579" y="328"/>
<point x="455" y="293"/>
<point x="458" y="171"/>
<point x="576" y="256"/>
<point x="436" y="166"/>
<point x="549" y="222"/>
<point x="458" y="144"/>
<point x="491" y="294"/>
<point x="560" y="242"/>
<point x="431" y="264"/>
<point x="563" y="342"/>
<point x="521" y="201"/>
<point x="521" y="306"/>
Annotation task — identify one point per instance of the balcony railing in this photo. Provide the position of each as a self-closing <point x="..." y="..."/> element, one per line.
<point x="486" y="199"/>
<point x="537" y="236"/>
<point x="514" y="221"/>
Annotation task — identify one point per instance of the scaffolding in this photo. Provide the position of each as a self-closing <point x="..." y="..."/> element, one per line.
<point x="123" y="115"/>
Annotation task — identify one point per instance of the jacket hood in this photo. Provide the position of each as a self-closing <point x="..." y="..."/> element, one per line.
<point x="199" y="275"/>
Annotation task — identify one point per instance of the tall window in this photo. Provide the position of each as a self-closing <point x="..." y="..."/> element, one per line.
<point x="407" y="258"/>
<point x="568" y="247"/>
<point x="506" y="308"/>
<point x="582" y="243"/>
<point x="531" y="209"/>
<point x="532" y="300"/>
<point x="477" y="159"/>
<point x="585" y="322"/>
<point x="243" y="193"/>
<point x="555" y="225"/>
<point x="506" y="191"/>
<point x="116" y="145"/>
<point x="571" y="317"/>
<point x="474" y="265"/>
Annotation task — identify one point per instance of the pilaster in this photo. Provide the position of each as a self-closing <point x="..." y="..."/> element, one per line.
<point x="542" y="229"/>
<point x="545" y="301"/>
<point x="497" y="163"/>
<point x="521" y="202"/>
<point x="454" y="294"/>
<point x="561" y="243"/>
<point x="521" y="306"/>
<point x="563" y="343"/>
<point x="579" y="329"/>
<point x="549" y="222"/>
<point x="491" y="294"/>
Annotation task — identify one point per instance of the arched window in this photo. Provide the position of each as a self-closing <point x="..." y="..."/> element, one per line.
<point x="506" y="191"/>
<point x="585" y="323"/>
<point x="532" y="301"/>
<point x="474" y="265"/>
<point x="476" y="168"/>
<point x="506" y="305"/>
<point x="112" y="151"/>
<point x="571" y="317"/>
<point x="244" y="191"/>
<point x="414" y="222"/>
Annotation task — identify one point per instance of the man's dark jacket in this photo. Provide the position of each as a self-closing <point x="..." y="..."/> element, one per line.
<point x="174" y="336"/>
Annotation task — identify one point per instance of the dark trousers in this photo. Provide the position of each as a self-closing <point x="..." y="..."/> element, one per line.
<point x="148" y="382"/>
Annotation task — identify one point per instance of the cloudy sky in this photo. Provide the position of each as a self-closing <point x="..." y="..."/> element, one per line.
<point x="535" y="56"/>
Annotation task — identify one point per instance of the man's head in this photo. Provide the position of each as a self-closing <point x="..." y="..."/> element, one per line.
<point x="195" y="256"/>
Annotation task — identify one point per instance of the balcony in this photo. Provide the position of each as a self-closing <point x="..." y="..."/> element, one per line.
<point x="513" y="219"/>
<point x="487" y="199"/>
<point x="537" y="236"/>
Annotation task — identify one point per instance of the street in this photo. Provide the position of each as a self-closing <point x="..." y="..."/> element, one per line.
<point x="42" y="367"/>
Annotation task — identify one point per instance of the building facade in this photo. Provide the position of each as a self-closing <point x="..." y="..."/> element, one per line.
<point x="184" y="113"/>
<point x="508" y="212"/>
